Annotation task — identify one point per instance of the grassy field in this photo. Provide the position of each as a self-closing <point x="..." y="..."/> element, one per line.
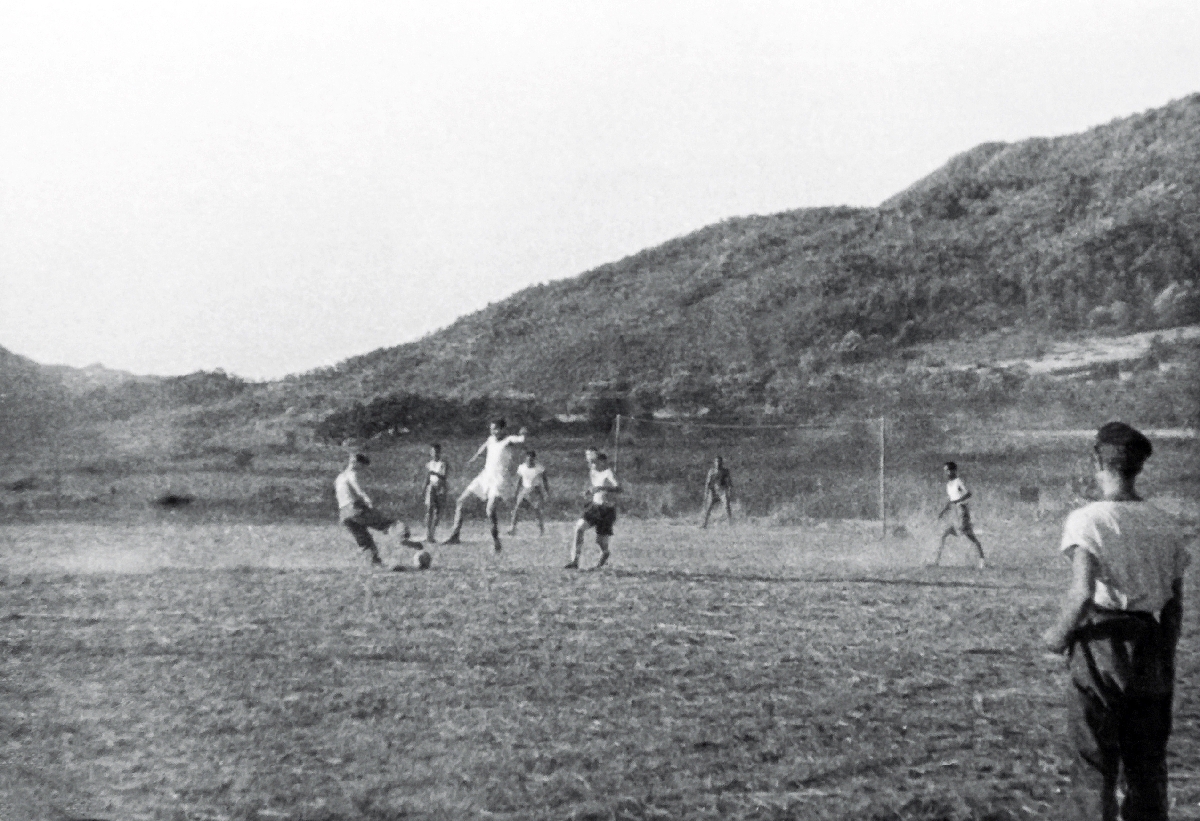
<point x="175" y="669"/>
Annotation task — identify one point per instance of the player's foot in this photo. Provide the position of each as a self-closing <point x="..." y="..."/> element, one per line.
<point x="496" y="546"/>
<point x="982" y="564"/>
<point x="453" y="539"/>
<point x="512" y="531"/>
<point x="571" y="565"/>
<point x="603" y="560"/>
<point x="405" y="533"/>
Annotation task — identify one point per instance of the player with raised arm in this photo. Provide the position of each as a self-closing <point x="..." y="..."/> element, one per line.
<point x="535" y="488"/>
<point x="956" y="489"/>
<point x="600" y="512"/>
<point x="497" y="480"/>
<point x="355" y="510"/>
<point x="718" y="487"/>
<point x="437" y="481"/>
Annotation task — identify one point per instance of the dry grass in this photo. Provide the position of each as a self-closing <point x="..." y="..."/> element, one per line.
<point x="213" y="671"/>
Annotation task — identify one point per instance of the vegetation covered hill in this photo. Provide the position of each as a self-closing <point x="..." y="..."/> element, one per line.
<point x="1099" y="229"/>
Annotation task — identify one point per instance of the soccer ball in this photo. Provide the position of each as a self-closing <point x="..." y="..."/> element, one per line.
<point x="422" y="559"/>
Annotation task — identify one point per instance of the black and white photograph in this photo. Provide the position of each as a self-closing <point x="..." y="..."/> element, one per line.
<point x="618" y="410"/>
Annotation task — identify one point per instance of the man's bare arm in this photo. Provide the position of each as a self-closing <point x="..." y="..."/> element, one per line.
<point x="1083" y="586"/>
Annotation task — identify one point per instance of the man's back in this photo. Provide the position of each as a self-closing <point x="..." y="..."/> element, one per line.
<point x="1139" y="550"/>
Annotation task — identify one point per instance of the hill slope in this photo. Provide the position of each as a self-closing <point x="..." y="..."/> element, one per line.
<point x="1056" y="233"/>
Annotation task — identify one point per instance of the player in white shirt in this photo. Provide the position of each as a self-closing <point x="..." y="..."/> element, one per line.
<point x="600" y="512"/>
<point x="535" y="488"/>
<point x="497" y="480"/>
<point x="355" y="510"/>
<point x="1119" y="625"/>
<point x="437" y="482"/>
<point x="956" y="489"/>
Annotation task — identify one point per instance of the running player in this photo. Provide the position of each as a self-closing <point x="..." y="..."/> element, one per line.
<point x="535" y="488"/>
<point x="496" y="481"/>
<point x="355" y="510"/>
<point x="437" y="474"/>
<point x="599" y="512"/>
<point x="956" y="489"/>
<point x="718" y="486"/>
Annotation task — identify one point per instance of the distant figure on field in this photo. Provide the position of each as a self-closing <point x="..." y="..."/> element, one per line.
<point x="956" y="489"/>
<point x="1119" y="626"/>
<point x="600" y="512"/>
<point x="535" y="488"/>
<point x="355" y="510"/>
<point x="718" y="487"/>
<point x="437" y="481"/>
<point x="497" y="480"/>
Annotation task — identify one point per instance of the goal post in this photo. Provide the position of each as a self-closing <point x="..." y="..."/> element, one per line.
<point x="786" y="472"/>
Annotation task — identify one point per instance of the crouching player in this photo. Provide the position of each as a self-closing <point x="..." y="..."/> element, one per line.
<point x="535" y="488"/>
<point x="1119" y="625"/>
<point x="355" y="510"/>
<point x="600" y="512"/>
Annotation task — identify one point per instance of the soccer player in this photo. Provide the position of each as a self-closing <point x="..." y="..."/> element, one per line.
<point x="355" y="510"/>
<point x="535" y="488"/>
<point x="718" y="486"/>
<point x="437" y="475"/>
<point x="1119" y="625"/>
<point x="496" y="481"/>
<point x="599" y="512"/>
<point x="956" y="489"/>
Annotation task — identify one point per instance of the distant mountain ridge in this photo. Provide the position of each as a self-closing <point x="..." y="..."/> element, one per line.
<point x="1098" y="230"/>
<point x="1066" y="232"/>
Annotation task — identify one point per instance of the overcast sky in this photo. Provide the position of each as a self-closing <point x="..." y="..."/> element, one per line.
<point x="269" y="188"/>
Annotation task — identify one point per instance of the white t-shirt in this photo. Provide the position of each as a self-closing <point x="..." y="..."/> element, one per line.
<point x="347" y="489"/>
<point x="956" y="490"/>
<point x="601" y="479"/>
<point x="531" y="475"/>
<point x="498" y="466"/>
<point x="437" y="472"/>
<point x="1139" y="549"/>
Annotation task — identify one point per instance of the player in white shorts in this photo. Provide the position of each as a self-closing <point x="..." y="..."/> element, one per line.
<point x="497" y="480"/>
<point x="437" y="482"/>
<point x="535" y="488"/>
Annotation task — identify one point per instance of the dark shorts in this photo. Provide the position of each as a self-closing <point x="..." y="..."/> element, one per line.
<point x="435" y="497"/>
<point x="600" y="517"/>
<point x="961" y="523"/>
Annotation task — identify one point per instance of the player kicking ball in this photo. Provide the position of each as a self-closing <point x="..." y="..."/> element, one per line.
<point x="956" y="489"/>
<point x="535" y="488"/>
<point x="496" y="481"/>
<point x="356" y="512"/>
<point x="600" y="512"/>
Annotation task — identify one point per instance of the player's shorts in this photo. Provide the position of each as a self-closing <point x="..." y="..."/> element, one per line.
<point x="962" y="521"/>
<point x="435" y="496"/>
<point x="534" y="495"/>
<point x="600" y="517"/>
<point x="487" y="488"/>
<point x="358" y="519"/>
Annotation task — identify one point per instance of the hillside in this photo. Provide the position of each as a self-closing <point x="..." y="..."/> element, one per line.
<point x="32" y="402"/>
<point x="1058" y="234"/>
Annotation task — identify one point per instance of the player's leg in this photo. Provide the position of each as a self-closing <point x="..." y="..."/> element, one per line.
<point x="433" y="513"/>
<point x="458" y="516"/>
<point x="966" y="529"/>
<point x="512" y="525"/>
<point x="602" y="543"/>
<point x="362" y="537"/>
<point x="493" y="517"/>
<point x="576" y="544"/>
<point x="728" y="507"/>
<point x="537" y="501"/>
<point x="710" y="501"/>
<point x="946" y="534"/>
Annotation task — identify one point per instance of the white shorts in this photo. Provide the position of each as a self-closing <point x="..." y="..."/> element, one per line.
<point x="487" y="488"/>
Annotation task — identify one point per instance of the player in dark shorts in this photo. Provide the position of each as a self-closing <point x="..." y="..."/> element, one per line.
<point x="356" y="512"/>
<point x="599" y="512"/>
<point x="718" y="487"/>
<point x="961" y="524"/>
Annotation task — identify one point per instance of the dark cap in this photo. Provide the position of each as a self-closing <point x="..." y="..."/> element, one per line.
<point x="1122" y="448"/>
